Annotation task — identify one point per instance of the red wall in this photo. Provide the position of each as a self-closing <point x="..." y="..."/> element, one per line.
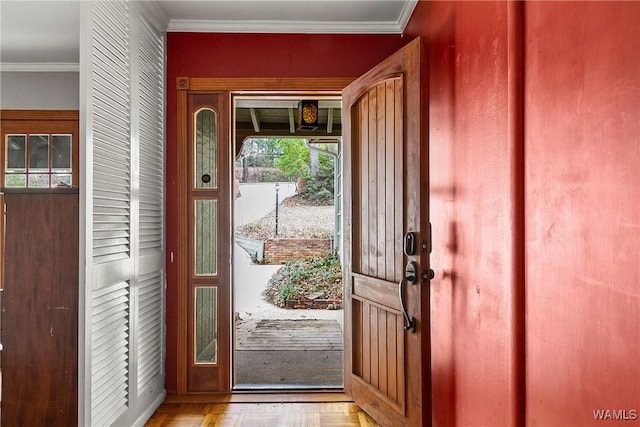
<point x="250" y="55"/>
<point x="535" y="205"/>
<point x="473" y="206"/>
<point x="583" y="210"/>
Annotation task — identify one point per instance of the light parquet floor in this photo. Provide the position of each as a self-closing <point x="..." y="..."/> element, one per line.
<point x="263" y="414"/>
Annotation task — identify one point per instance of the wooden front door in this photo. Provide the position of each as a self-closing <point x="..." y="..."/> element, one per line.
<point x="387" y="351"/>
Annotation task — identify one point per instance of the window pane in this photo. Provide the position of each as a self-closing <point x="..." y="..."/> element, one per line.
<point x="61" y="180"/>
<point x="38" y="180"/>
<point x="206" y="146"/>
<point x="39" y="153"/>
<point x="206" y="237"/>
<point x="16" y="153"/>
<point x="206" y="311"/>
<point x="61" y="153"/>
<point x="17" y="180"/>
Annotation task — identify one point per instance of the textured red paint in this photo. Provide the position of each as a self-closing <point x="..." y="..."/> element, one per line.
<point x="250" y="55"/>
<point x="542" y="223"/>
<point x="472" y="212"/>
<point x="583" y="210"/>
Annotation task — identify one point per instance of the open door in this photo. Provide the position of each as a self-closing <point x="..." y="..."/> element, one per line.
<point x="387" y="245"/>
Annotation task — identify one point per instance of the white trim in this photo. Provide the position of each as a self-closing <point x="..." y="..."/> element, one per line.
<point x="148" y="412"/>
<point x="305" y="27"/>
<point x="86" y="212"/>
<point x="40" y="67"/>
<point x="154" y="14"/>
<point x="406" y="13"/>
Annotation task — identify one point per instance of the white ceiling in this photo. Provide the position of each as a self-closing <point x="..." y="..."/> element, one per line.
<point x="44" y="35"/>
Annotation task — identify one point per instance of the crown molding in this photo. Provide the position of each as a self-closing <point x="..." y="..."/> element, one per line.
<point x="406" y="13"/>
<point x="47" y="67"/>
<point x="304" y="27"/>
<point x="154" y="14"/>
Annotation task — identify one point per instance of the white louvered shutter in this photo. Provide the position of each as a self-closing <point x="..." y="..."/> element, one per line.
<point x="122" y="226"/>
<point x="150" y="227"/>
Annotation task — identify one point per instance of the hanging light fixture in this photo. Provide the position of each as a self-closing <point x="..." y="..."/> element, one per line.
<point x="308" y="115"/>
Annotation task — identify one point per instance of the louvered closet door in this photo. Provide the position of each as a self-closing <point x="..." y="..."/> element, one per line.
<point x="149" y="256"/>
<point x="122" y="213"/>
<point x="108" y="209"/>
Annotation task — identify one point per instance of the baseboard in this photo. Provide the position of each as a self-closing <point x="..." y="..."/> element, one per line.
<point x="151" y="409"/>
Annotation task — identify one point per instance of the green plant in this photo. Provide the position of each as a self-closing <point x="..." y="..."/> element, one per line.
<point x="321" y="276"/>
<point x="294" y="161"/>
<point x="286" y="292"/>
<point x="319" y="188"/>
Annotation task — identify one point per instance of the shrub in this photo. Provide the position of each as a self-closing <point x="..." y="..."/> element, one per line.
<point x="319" y="187"/>
<point x="321" y="276"/>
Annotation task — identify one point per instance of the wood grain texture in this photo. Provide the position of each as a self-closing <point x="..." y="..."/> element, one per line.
<point x="214" y="377"/>
<point x="385" y="145"/>
<point x="306" y="84"/>
<point x="72" y="115"/>
<point x="262" y="414"/>
<point x="181" y="259"/>
<point x="40" y="310"/>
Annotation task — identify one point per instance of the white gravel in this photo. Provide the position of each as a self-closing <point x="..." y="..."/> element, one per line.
<point x="294" y="221"/>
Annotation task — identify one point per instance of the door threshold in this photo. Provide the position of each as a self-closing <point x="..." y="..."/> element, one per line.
<point x="287" y="387"/>
<point x="289" y="396"/>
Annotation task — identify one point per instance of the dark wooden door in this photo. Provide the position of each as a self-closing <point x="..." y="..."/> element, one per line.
<point x="40" y="309"/>
<point x="387" y="363"/>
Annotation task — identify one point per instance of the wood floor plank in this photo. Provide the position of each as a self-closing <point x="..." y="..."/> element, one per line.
<point x="265" y="414"/>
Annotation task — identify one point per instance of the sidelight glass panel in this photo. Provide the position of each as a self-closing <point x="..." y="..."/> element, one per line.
<point x="38" y="180"/>
<point x="38" y="153"/>
<point x="61" y="153"/>
<point x="205" y="329"/>
<point x="16" y="153"/>
<point x="15" y="180"/>
<point x="206" y="149"/>
<point x="206" y="250"/>
<point x="61" y="180"/>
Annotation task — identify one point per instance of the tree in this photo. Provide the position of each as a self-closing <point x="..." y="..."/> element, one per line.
<point x="260" y="152"/>
<point x="320" y="185"/>
<point x="294" y="161"/>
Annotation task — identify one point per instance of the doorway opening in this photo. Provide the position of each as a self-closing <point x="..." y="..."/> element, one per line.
<point x="287" y="274"/>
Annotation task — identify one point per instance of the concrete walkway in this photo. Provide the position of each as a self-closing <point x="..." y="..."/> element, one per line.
<point x="249" y="279"/>
<point x="249" y="282"/>
<point x="257" y="200"/>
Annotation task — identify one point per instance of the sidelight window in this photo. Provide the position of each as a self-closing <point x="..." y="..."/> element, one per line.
<point x="206" y="333"/>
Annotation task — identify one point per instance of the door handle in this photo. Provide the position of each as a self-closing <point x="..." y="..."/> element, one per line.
<point x="409" y="320"/>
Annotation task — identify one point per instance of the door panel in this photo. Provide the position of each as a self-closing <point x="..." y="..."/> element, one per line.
<point x="40" y="309"/>
<point x="208" y="314"/>
<point x="386" y="155"/>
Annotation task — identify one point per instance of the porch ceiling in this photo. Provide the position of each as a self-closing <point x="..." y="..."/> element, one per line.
<point x="278" y="118"/>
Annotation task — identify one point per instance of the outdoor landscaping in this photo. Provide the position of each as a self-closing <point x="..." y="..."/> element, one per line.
<point x="311" y="275"/>
<point x="307" y="283"/>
